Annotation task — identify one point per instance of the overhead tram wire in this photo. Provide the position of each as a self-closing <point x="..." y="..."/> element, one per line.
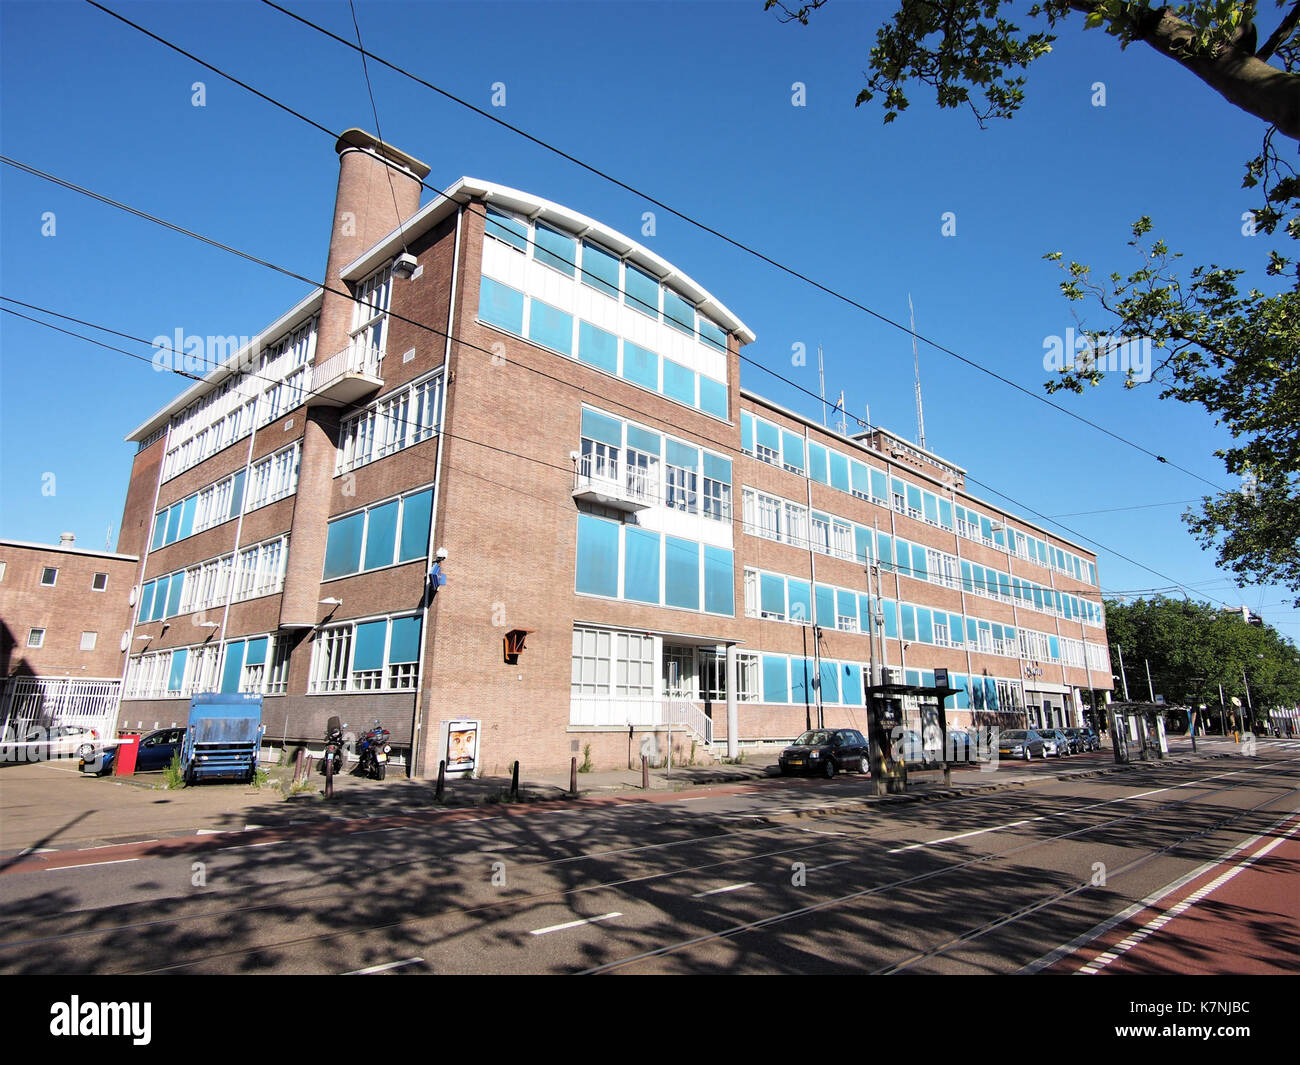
<point x="650" y="199"/>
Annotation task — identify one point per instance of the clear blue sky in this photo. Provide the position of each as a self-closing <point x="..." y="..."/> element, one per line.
<point x="693" y="104"/>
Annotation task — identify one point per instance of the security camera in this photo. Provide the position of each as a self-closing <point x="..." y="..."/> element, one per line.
<point x="441" y="554"/>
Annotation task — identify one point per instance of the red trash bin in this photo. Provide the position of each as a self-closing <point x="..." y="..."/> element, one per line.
<point x="128" y="747"/>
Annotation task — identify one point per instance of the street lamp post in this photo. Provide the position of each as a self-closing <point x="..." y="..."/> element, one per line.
<point x="1122" y="674"/>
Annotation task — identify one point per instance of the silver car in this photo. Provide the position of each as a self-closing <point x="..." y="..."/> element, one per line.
<point x="1055" y="742"/>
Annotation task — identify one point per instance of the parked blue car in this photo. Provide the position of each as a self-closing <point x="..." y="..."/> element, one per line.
<point x="156" y="752"/>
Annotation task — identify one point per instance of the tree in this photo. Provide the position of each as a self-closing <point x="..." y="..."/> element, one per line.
<point x="1233" y="349"/>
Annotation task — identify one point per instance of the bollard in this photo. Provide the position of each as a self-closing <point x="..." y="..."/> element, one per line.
<point x="514" y="781"/>
<point x="329" y="775"/>
<point x="947" y="775"/>
<point x="442" y="780"/>
<point x="298" y="767"/>
<point x="645" y="773"/>
<point x="573" y="776"/>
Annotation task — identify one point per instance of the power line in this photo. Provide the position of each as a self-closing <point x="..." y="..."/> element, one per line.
<point x="740" y="245"/>
<point x="1116" y="510"/>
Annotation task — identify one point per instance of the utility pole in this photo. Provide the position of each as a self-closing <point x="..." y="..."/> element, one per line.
<point x="1150" y="690"/>
<point x="1122" y="675"/>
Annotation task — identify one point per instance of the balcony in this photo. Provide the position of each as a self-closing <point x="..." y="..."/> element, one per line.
<point x="347" y="377"/>
<point x="609" y="483"/>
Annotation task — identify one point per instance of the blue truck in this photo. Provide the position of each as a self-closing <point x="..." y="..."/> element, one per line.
<point x="223" y="738"/>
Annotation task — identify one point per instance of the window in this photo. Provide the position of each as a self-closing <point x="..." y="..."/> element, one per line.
<point x="550" y="327"/>
<point x="35" y="637"/>
<point x="717" y="487"/>
<point x="679" y="313"/>
<point x="49" y="575"/>
<point x="681" y="477"/>
<point x="260" y="570"/>
<point x="88" y="641"/>
<point x="381" y="654"/>
<point x="370" y="315"/>
<point x="501" y="306"/>
<point x="398" y="421"/>
<point x="555" y="249"/>
<point x="391" y="532"/>
<point x="506" y="228"/>
<point x="273" y="477"/>
<point x="97" y="583"/>
<point x="277" y="673"/>
<point x="600" y="269"/>
<point x="641" y="291"/>
<point x="591" y="662"/>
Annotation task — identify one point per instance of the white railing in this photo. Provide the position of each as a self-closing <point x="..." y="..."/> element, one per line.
<point x="617" y="479"/>
<point x="641" y="712"/>
<point x="355" y="358"/>
<point x="686" y="713"/>
<point x="51" y="701"/>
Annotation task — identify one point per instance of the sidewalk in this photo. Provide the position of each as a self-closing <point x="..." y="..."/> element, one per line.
<point x="49" y="806"/>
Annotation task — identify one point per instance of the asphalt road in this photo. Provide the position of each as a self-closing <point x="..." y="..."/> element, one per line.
<point x="783" y="876"/>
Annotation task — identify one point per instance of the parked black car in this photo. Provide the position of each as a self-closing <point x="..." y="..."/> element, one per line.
<point x="827" y="751"/>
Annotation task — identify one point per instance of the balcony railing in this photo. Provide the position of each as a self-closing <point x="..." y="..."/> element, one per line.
<point x="610" y="483"/>
<point x="348" y="375"/>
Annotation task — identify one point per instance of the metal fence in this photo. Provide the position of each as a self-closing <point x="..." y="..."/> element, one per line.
<point x="28" y="702"/>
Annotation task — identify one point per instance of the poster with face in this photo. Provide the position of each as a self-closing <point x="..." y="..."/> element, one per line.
<point x="462" y="746"/>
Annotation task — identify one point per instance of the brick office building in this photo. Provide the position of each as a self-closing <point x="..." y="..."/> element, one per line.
<point x="63" y="614"/>
<point x="559" y="410"/>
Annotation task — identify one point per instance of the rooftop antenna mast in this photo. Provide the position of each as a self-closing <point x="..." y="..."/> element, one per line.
<point x="842" y="424"/>
<point x="916" y="363"/>
<point x="821" y="378"/>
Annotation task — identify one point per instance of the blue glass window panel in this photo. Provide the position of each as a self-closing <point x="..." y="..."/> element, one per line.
<point x="800" y="601"/>
<point x="642" y="291"/>
<point x="603" y="428"/>
<point x="719" y="581"/>
<point x="919" y="570"/>
<point x="675" y="454"/>
<point x="776" y="679"/>
<point x="642" y="440"/>
<point x="913" y="498"/>
<point x="233" y="668"/>
<point x="747" y="432"/>
<point x="839" y="471"/>
<point x="885" y="549"/>
<point x="898" y="487"/>
<point x="159" y="530"/>
<point x="681" y="573"/>
<point x="597" y="348"/>
<point x="846" y="604"/>
<point x="962" y="701"/>
<point x="771" y="594"/>
<point x="599" y="269"/>
<point x="967" y="583"/>
<point x="864" y="612"/>
<point x="924" y="625"/>
<point x="713" y="335"/>
<point x="912" y="676"/>
<point x="945" y="513"/>
<point x="174" y="594"/>
<point x="830" y="678"/>
<point x="792" y="450"/>
<point x="501" y="306"/>
<point x="511" y="230"/>
<point x="678" y="313"/>
<point x="679" y="382"/>
<point x="187" y="517"/>
<point x="368" y="645"/>
<point x="972" y="631"/>
<point x="860" y="478"/>
<point x="1004" y="584"/>
<point x="416" y="511"/>
<point x="256" y="653"/>
<point x="977" y="693"/>
<point x="986" y="528"/>
<point x="991" y="693"/>
<point x="173" y="523"/>
<point x="956" y="628"/>
<point x="146" y="601"/>
<point x="891" y="619"/>
<point x="555" y="249"/>
<point x="381" y="535"/>
<point x="851" y="685"/>
<point x="343" y="546"/>
<point x="927" y="678"/>
<point x="1055" y="645"/>
<point x="769" y="436"/>
<point x="640" y="366"/>
<point x="404" y="643"/>
<point x="551" y="327"/>
<point x="801" y="675"/>
<point x="717" y="469"/>
<point x="879" y="485"/>
<point x="160" y="598"/>
<point x="641" y="565"/>
<point x="237" y="494"/>
<point x="817" y="463"/>
<point x="908" y="613"/>
<point x="861" y="543"/>
<point x="930" y="507"/>
<point x="177" y="675"/>
<point x="713" y="397"/>
<point x="825" y="606"/>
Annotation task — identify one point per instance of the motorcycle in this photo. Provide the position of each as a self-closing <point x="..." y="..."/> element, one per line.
<point x="332" y="762"/>
<point x="374" y="749"/>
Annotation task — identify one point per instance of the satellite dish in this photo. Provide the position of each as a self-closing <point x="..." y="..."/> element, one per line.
<point x="126" y="639"/>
